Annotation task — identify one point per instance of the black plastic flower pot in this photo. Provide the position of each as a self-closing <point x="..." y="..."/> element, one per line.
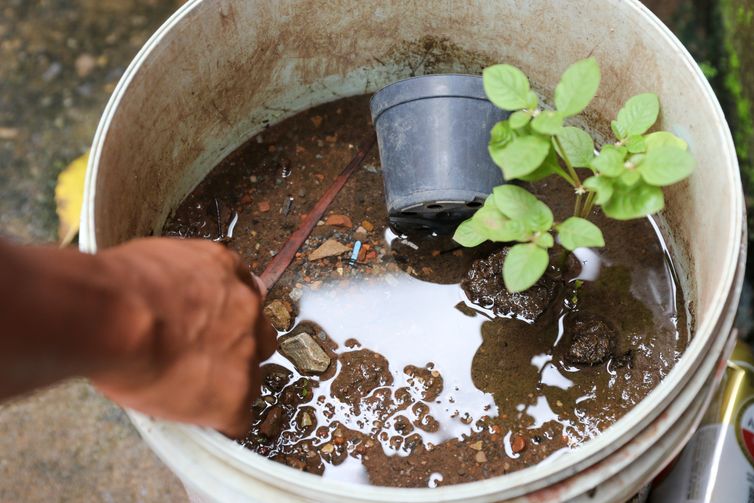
<point x="432" y="133"/>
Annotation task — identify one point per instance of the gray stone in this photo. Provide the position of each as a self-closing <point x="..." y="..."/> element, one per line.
<point x="304" y="352"/>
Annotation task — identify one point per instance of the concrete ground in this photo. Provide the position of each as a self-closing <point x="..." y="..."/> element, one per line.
<point x="59" y="62"/>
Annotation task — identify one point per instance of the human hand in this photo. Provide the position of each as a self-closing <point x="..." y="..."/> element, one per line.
<point x="204" y="333"/>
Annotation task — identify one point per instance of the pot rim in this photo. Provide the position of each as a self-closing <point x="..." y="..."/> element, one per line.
<point x="426" y="87"/>
<point x="638" y="418"/>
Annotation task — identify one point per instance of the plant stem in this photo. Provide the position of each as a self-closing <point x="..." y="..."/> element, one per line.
<point x="568" y="164"/>
<point x="565" y="176"/>
<point x="577" y="207"/>
<point x="587" y="209"/>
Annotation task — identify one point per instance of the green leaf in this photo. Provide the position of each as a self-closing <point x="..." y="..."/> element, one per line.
<point x="532" y="101"/>
<point x="636" y="144"/>
<point x="519" y="119"/>
<point x="548" y="122"/>
<point x="666" y="165"/>
<point x="609" y="162"/>
<point x="634" y="202"/>
<point x="493" y="225"/>
<point x="602" y="185"/>
<point x="506" y="86"/>
<point x="629" y="177"/>
<point x="578" y="146"/>
<point x="547" y="168"/>
<point x="577" y="87"/>
<point x="618" y="130"/>
<point x="521" y="157"/>
<point x="467" y="235"/>
<point x="578" y="232"/>
<point x="639" y="114"/>
<point x="520" y="205"/>
<point x="501" y="135"/>
<point x="544" y="240"/>
<point x="663" y="138"/>
<point x="523" y="266"/>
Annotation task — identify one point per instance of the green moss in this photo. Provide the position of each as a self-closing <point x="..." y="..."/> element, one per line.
<point x="738" y="78"/>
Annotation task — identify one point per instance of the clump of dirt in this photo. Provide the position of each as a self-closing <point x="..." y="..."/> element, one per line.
<point x="361" y="372"/>
<point x="484" y="286"/>
<point x="591" y="339"/>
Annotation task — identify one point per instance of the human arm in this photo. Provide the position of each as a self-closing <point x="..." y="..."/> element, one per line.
<point x="172" y="328"/>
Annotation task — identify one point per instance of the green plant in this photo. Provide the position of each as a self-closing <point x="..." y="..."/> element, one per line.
<point x="624" y="178"/>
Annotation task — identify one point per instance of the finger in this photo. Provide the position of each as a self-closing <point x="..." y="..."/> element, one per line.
<point x="248" y="279"/>
<point x="238" y="426"/>
<point x="266" y="337"/>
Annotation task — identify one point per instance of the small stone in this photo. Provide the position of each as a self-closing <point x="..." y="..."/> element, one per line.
<point x="306" y="420"/>
<point x="332" y="138"/>
<point x="480" y="457"/>
<point x="279" y="315"/>
<point x="371" y="168"/>
<point x="85" y="64"/>
<point x="369" y="226"/>
<point x="361" y="234"/>
<point x="7" y="133"/>
<point x="339" y="221"/>
<point x="253" y="179"/>
<point x="273" y="423"/>
<point x="264" y="206"/>
<point x="372" y="255"/>
<point x="518" y="444"/>
<point x="477" y="446"/>
<point x="296" y="294"/>
<point x="328" y="448"/>
<point x="304" y="352"/>
<point x="330" y="248"/>
<point x="52" y="71"/>
<point x="317" y="120"/>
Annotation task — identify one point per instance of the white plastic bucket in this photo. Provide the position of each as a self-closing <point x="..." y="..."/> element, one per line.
<point x="219" y="70"/>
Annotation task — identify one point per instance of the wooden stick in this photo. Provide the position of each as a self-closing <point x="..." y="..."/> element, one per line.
<point x="284" y="257"/>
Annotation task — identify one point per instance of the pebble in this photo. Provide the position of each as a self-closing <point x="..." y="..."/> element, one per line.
<point x="369" y="226"/>
<point x="52" y="71"/>
<point x="279" y="315"/>
<point x="272" y="424"/>
<point x="317" y="120"/>
<point x="296" y="294"/>
<point x="330" y="248"/>
<point x="339" y="221"/>
<point x="85" y="64"/>
<point x="477" y="446"/>
<point x="304" y="352"/>
<point x="518" y="444"/>
<point x="360" y="234"/>
<point x="480" y="457"/>
<point x="264" y="206"/>
<point x="371" y="168"/>
<point x="7" y="133"/>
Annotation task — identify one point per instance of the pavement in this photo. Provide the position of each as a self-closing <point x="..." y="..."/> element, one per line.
<point x="59" y="62"/>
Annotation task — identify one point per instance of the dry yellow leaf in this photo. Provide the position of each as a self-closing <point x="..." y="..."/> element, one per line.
<point x="69" y="197"/>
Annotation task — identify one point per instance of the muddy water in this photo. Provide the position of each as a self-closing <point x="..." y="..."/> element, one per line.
<point x="429" y="385"/>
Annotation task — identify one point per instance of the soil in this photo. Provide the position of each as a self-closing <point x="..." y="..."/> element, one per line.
<point x="438" y="376"/>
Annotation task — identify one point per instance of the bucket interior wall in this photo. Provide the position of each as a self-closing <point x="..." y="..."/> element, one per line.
<point x="229" y="68"/>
